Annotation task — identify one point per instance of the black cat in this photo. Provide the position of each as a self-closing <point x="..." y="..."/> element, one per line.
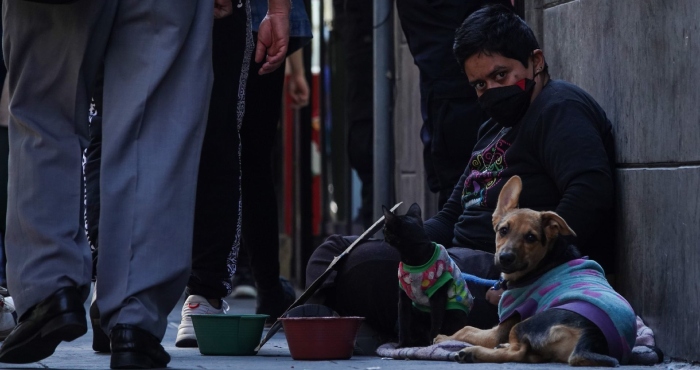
<point x="434" y="298"/>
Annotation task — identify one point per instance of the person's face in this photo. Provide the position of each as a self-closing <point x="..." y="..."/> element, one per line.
<point x="488" y="71"/>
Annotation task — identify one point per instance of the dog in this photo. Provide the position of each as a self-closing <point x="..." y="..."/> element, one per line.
<point x="557" y="307"/>
<point x="430" y="282"/>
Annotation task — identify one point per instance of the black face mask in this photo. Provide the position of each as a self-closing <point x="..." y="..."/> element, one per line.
<point x="508" y="104"/>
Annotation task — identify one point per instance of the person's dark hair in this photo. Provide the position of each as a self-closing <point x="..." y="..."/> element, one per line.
<point x="494" y="29"/>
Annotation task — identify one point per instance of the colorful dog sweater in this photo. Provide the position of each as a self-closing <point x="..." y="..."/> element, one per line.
<point x="579" y="286"/>
<point x="421" y="282"/>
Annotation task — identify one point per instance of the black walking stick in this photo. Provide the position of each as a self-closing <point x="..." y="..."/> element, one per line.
<point x="317" y="283"/>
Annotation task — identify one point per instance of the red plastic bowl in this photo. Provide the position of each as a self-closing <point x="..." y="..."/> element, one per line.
<point x="321" y="338"/>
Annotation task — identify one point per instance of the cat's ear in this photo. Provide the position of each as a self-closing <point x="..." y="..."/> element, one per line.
<point x="415" y="214"/>
<point x="414" y="211"/>
<point x="389" y="217"/>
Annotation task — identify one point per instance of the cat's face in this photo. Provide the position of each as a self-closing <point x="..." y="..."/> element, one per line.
<point x="404" y="232"/>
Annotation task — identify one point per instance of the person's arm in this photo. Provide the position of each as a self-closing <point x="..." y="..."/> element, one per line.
<point x="440" y="228"/>
<point x="572" y="150"/>
<point x="298" y="87"/>
<point x="273" y="36"/>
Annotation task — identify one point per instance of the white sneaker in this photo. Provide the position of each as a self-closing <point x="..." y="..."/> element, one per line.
<point x="7" y="319"/>
<point x="194" y="305"/>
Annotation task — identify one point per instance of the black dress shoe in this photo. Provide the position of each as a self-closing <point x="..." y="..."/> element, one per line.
<point x="60" y="317"/>
<point x="135" y="348"/>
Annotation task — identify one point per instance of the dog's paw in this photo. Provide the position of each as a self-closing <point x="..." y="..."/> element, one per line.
<point x="441" y="338"/>
<point x="503" y="345"/>
<point x="466" y="356"/>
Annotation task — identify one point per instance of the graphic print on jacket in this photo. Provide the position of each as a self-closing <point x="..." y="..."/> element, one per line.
<point x="484" y="169"/>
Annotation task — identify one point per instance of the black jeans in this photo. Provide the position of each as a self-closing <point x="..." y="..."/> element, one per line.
<point x="217" y="204"/>
<point x="353" y="19"/>
<point x="91" y="171"/>
<point x="4" y="153"/>
<point x="365" y="282"/>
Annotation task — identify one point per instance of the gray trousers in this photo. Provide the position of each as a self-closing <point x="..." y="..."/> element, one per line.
<point x="157" y="82"/>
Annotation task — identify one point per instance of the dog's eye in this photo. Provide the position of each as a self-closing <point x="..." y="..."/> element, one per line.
<point x="503" y="231"/>
<point x="530" y="238"/>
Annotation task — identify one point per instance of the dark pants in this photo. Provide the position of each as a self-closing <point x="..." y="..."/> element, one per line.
<point x="449" y="106"/>
<point x="4" y="152"/>
<point x="217" y="205"/>
<point x="91" y="171"/>
<point x="354" y="24"/>
<point x="365" y="282"/>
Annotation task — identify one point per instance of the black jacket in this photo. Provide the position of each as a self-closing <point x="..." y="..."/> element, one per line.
<point x="563" y="150"/>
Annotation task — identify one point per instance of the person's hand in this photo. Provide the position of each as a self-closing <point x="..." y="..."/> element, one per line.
<point x="298" y="90"/>
<point x="222" y="8"/>
<point x="273" y="40"/>
<point x="493" y="296"/>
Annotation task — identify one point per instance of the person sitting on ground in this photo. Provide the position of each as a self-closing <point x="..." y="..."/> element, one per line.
<point x="550" y="133"/>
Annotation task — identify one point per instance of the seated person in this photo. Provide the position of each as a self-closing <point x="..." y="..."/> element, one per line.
<point x="550" y="133"/>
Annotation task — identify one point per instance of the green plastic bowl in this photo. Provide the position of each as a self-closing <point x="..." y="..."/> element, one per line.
<point x="228" y="335"/>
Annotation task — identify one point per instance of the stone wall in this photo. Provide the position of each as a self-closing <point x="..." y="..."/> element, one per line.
<point x="640" y="59"/>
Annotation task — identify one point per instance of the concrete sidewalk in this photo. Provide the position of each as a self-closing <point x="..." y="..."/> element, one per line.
<point x="273" y="355"/>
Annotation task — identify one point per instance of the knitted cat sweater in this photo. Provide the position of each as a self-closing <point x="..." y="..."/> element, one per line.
<point x="421" y="282"/>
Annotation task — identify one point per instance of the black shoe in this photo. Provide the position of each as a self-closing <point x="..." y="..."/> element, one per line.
<point x="275" y="301"/>
<point x="100" y="339"/>
<point x="135" y="348"/>
<point x="243" y="285"/>
<point x="58" y="318"/>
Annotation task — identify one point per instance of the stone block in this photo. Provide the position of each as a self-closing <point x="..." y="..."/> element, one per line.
<point x="640" y="59"/>
<point x="658" y="222"/>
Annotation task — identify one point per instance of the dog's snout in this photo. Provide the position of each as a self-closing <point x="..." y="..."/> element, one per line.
<point x="506" y="259"/>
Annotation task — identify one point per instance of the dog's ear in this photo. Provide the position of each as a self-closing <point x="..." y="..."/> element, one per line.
<point x="508" y="199"/>
<point x="554" y="225"/>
